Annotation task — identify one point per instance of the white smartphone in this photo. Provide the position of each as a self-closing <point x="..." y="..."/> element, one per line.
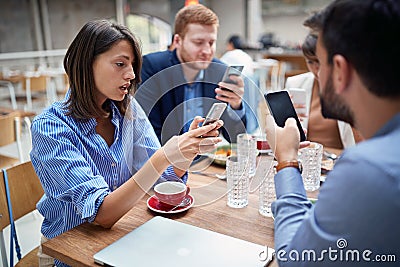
<point x="214" y="113"/>
<point x="299" y="97"/>
<point x="232" y="70"/>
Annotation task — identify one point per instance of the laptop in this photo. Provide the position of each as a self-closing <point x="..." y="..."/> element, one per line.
<point x="165" y="242"/>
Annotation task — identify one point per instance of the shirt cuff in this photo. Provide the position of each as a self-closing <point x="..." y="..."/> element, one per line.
<point x="90" y="211"/>
<point x="289" y="181"/>
<point x="236" y="114"/>
<point x="91" y="199"/>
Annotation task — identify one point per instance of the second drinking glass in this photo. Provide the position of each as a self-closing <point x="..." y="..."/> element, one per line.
<point x="238" y="182"/>
<point x="247" y="151"/>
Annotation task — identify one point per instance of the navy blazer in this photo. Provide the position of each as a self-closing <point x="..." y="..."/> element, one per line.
<point x="161" y="95"/>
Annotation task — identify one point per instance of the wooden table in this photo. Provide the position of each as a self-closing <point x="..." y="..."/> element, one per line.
<point x="210" y="211"/>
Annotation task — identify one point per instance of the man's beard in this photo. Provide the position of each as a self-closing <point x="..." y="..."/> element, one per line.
<point x="333" y="106"/>
<point x="191" y="62"/>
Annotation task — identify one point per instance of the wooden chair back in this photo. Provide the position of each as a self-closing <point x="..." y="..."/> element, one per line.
<point x="7" y="128"/>
<point x="38" y="84"/>
<point x="25" y="188"/>
<point x="25" y="191"/>
<point x="10" y="132"/>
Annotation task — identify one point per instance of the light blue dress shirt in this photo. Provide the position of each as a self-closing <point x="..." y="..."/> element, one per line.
<point x="193" y="104"/>
<point x="78" y="169"/>
<point x="355" y="221"/>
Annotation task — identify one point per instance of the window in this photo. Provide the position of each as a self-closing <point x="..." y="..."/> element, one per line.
<point x="154" y="33"/>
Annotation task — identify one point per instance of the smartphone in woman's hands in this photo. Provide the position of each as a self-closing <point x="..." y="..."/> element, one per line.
<point x="214" y="113"/>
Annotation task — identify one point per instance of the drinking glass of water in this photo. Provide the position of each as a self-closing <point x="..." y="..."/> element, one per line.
<point x="237" y="176"/>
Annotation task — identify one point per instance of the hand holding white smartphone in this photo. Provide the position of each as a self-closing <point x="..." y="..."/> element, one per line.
<point x="214" y="113"/>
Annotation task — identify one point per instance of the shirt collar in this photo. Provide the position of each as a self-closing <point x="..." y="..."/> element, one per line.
<point x="199" y="78"/>
<point x="90" y="124"/>
<point x="391" y="125"/>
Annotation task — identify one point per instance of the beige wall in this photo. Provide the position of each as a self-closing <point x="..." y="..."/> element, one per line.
<point x="287" y="29"/>
<point x="231" y="19"/>
<point x="66" y="17"/>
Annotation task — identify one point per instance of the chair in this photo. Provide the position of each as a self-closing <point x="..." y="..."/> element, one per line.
<point x="62" y="85"/>
<point x="295" y="63"/>
<point x="35" y="82"/>
<point x="263" y="70"/>
<point x="10" y="125"/>
<point x="13" y="81"/>
<point x="11" y="89"/>
<point x="278" y="76"/>
<point x="10" y="133"/>
<point x="25" y="191"/>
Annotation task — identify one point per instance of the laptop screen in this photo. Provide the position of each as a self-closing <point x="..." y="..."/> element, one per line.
<point x="165" y="242"/>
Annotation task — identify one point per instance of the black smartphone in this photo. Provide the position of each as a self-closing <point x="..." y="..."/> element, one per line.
<point x="281" y="107"/>
<point x="214" y="113"/>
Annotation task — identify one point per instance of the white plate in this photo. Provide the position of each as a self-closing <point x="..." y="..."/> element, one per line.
<point x="220" y="159"/>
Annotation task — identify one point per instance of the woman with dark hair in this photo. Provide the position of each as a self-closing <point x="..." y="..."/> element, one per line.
<point x="330" y="133"/>
<point x="96" y="153"/>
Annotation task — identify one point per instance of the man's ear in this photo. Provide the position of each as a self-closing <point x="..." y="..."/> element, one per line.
<point x="177" y="40"/>
<point x="341" y="73"/>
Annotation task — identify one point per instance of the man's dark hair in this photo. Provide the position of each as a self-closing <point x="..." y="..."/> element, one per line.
<point x="367" y="34"/>
<point x="236" y="41"/>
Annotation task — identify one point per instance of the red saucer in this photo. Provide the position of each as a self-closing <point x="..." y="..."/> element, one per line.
<point x="154" y="204"/>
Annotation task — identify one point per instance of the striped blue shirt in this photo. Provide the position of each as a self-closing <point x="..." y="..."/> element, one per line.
<point x="78" y="169"/>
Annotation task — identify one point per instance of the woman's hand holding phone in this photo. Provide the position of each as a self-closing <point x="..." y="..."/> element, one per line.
<point x="215" y="131"/>
<point x="214" y="115"/>
<point x="182" y="149"/>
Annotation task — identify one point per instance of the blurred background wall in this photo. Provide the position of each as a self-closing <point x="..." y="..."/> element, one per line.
<point x="36" y="25"/>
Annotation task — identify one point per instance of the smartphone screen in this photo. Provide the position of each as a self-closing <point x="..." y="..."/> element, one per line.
<point x="214" y="113"/>
<point x="232" y="70"/>
<point x="281" y="108"/>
